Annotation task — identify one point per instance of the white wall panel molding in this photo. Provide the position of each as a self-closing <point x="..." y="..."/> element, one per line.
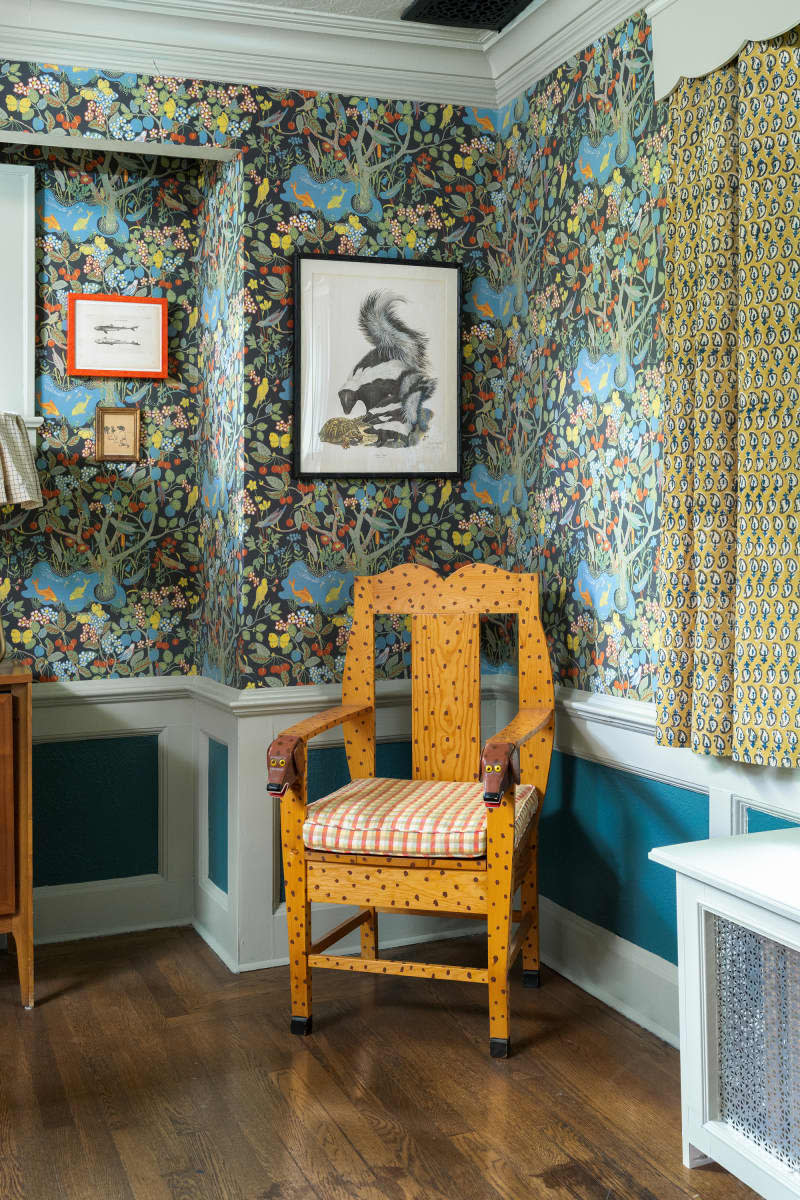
<point x="247" y="926"/>
<point x="691" y="39"/>
<point x="76" y="910"/>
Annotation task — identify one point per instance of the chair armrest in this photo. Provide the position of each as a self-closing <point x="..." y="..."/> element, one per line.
<point x="500" y="758"/>
<point x="524" y="725"/>
<point x="284" y="757"/>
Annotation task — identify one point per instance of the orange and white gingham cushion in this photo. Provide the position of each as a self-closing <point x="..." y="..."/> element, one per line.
<point x="410" y="817"/>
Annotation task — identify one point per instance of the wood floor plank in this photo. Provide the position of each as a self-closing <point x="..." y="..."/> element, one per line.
<point x="149" y="1072"/>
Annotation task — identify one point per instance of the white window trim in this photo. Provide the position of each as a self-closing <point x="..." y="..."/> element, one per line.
<point x="27" y="180"/>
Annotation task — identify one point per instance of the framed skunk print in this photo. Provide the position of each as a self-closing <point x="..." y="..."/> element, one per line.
<point x="116" y="335"/>
<point x="377" y="374"/>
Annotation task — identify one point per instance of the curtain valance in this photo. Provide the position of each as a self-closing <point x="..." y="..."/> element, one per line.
<point x="693" y="37"/>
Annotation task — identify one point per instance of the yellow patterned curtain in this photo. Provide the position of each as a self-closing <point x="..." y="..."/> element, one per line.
<point x="729" y="580"/>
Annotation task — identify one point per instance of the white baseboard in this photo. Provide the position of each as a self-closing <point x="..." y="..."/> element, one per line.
<point x="216" y="945"/>
<point x="71" y="911"/>
<point x="635" y="982"/>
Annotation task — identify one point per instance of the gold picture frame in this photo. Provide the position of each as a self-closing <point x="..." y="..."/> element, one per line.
<point x="116" y="433"/>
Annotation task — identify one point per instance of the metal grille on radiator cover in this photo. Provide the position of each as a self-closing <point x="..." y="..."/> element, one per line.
<point x="758" y="1020"/>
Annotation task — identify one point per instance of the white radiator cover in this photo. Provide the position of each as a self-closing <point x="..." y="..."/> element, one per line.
<point x="739" y="990"/>
<point x="756" y="999"/>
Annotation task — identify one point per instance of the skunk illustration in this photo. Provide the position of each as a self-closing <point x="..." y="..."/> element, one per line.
<point x="392" y="380"/>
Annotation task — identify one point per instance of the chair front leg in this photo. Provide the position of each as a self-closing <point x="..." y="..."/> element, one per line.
<point x="530" y="904"/>
<point x="298" y="907"/>
<point x="499" y="878"/>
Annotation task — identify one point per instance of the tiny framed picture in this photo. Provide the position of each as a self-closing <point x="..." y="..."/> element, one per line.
<point x="377" y="367"/>
<point x="116" y="435"/>
<point x="116" y="335"/>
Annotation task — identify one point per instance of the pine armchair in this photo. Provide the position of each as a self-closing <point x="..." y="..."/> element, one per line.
<point x="459" y="838"/>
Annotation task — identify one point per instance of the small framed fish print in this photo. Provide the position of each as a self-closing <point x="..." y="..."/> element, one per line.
<point x="116" y="335"/>
<point x="116" y="434"/>
<point x="377" y="367"/>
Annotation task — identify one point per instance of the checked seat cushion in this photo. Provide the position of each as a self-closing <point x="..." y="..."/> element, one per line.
<point x="414" y="818"/>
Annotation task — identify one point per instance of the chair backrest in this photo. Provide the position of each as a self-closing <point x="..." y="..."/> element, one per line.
<point x="445" y="665"/>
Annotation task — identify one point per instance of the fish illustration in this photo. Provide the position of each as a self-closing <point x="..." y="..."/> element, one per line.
<point x="301" y="593"/>
<point x="585" y="596"/>
<point x="51" y="222"/>
<point x="48" y="406"/>
<point x="333" y="594"/>
<point x="606" y="159"/>
<point x="485" y="309"/>
<point x="484" y="122"/>
<point x="483" y="496"/>
<point x="584" y="168"/>
<point x="80" y="407"/>
<point x="77" y="592"/>
<point x="46" y="593"/>
<point x="586" y="385"/>
<point x="81" y="223"/>
<point x="304" y="198"/>
<point x="335" y="201"/>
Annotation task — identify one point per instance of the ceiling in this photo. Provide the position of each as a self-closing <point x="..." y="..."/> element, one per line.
<point x="356" y="46"/>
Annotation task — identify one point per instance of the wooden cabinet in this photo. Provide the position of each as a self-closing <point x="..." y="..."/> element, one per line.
<point x="16" y="841"/>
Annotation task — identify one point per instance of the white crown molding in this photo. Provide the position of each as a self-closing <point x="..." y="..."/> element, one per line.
<point x="541" y="40"/>
<point x="248" y="42"/>
<point x="272" y="17"/>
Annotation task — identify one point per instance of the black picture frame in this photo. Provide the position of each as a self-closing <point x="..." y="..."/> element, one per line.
<point x="391" y="265"/>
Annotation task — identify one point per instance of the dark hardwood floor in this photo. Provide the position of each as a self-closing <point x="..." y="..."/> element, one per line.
<point x="148" y="1071"/>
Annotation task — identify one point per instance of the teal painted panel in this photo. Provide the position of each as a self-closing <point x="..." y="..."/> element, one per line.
<point x="218" y="814"/>
<point x="327" y="771"/>
<point x="95" y="809"/>
<point x="762" y="822"/>
<point x="597" y="826"/>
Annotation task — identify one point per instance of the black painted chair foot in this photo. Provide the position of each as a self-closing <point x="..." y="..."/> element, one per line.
<point x="530" y="979"/>
<point x="499" y="1047"/>
<point x="301" y="1026"/>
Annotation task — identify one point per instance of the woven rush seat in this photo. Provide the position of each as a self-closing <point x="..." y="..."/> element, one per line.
<point x="409" y="817"/>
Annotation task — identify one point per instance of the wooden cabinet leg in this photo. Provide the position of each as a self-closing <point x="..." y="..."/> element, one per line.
<point x="23" y="947"/>
<point x="369" y="936"/>
<point x="530" y="904"/>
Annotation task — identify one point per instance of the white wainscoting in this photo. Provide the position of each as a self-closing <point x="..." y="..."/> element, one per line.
<point x="246" y="926"/>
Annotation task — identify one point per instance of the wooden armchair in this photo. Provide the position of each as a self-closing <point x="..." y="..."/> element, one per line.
<point x="458" y="839"/>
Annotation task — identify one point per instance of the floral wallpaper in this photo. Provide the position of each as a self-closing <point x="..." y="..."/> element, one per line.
<point x="101" y="580"/>
<point x="552" y="204"/>
<point x="224" y="504"/>
<point x="585" y="276"/>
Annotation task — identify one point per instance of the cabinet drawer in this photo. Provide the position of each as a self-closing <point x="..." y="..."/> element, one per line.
<point x="8" y="872"/>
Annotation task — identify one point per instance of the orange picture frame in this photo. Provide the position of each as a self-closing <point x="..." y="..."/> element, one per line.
<point x="104" y="338"/>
